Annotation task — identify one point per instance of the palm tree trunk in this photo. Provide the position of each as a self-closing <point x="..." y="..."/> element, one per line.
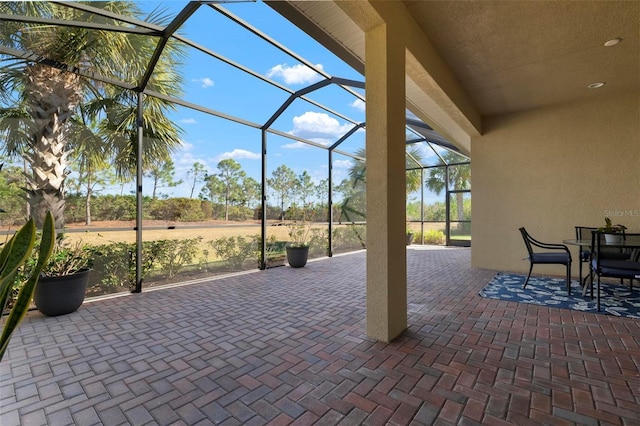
<point x="45" y="186"/>
<point x="52" y="96"/>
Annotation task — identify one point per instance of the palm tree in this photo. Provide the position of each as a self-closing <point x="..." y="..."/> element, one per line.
<point x="358" y="172"/>
<point x="413" y="161"/>
<point x="89" y="149"/>
<point x="459" y="179"/>
<point x="42" y="98"/>
<point x="354" y="203"/>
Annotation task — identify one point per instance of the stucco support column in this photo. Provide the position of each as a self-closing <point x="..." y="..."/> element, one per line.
<point x="386" y="194"/>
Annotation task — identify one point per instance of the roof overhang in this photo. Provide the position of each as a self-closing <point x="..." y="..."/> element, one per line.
<point x="472" y="59"/>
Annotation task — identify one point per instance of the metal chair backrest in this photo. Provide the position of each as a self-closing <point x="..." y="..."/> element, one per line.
<point x="584" y="232"/>
<point x="633" y="239"/>
<point x="603" y="250"/>
<point x="527" y="240"/>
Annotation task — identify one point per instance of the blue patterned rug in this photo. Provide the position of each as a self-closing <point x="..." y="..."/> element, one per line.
<point x="615" y="299"/>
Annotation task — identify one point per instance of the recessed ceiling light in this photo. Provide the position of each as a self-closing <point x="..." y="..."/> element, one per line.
<point x="612" y="42"/>
<point x="596" y="85"/>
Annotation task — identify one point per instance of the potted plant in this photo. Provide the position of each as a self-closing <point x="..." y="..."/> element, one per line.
<point x="298" y="247"/>
<point x="612" y="233"/>
<point x="64" y="279"/>
<point x="410" y="236"/>
<point x="15" y="252"/>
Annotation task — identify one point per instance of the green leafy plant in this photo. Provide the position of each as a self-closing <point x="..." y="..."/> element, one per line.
<point x="275" y="254"/>
<point x="434" y="236"/>
<point x="410" y="236"/>
<point x="610" y="228"/>
<point x="14" y="254"/>
<point x="174" y="254"/>
<point x="299" y="234"/>
<point x="318" y="243"/>
<point x="234" y="250"/>
<point x="67" y="259"/>
<point x="350" y="237"/>
<point x="114" y="264"/>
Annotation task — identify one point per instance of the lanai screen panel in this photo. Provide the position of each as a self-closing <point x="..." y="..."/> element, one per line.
<point x="227" y="83"/>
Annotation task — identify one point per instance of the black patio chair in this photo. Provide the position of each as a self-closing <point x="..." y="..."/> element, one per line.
<point x="625" y="262"/>
<point x="550" y="254"/>
<point x="584" y="233"/>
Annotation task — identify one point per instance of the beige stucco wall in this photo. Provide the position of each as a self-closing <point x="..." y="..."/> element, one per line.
<point x="550" y="170"/>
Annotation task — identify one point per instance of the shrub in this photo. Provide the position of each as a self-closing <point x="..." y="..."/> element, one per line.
<point x="276" y="251"/>
<point x="235" y="249"/>
<point x="273" y="213"/>
<point x="74" y="209"/>
<point x="114" y="265"/>
<point x="173" y="255"/>
<point x="318" y="243"/>
<point x="350" y="237"/>
<point x="461" y="228"/>
<point x="434" y="237"/>
<point x="177" y="210"/>
<point x="240" y="213"/>
<point x="113" y="207"/>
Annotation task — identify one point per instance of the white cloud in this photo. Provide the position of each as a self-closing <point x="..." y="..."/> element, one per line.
<point x="316" y="127"/>
<point x="186" y="161"/>
<point x="188" y="121"/>
<point x="204" y="82"/>
<point x="342" y="164"/>
<point x="238" y="154"/>
<point x="297" y="74"/>
<point x="358" y="104"/>
<point x="293" y="145"/>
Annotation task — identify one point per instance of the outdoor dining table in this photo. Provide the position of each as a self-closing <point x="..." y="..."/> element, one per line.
<point x="621" y="243"/>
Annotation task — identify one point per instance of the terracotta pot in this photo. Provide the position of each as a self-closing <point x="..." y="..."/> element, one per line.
<point x="61" y="295"/>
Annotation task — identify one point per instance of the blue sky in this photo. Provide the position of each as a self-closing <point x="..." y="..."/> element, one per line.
<point x="216" y="85"/>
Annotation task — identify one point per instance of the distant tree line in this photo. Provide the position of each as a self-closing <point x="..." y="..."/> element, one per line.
<point x="226" y="193"/>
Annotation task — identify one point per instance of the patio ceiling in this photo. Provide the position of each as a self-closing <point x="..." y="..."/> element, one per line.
<point x="504" y="56"/>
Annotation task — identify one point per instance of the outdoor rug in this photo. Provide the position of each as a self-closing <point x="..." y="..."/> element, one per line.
<point x="615" y="299"/>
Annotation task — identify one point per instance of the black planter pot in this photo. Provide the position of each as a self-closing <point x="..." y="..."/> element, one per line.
<point x="409" y="238"/>
<point x="61" y="295"/>
<point x="297" y="256"/>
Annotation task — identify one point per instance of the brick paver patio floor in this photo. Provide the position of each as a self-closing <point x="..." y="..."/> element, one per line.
<point x="287" y="346"/>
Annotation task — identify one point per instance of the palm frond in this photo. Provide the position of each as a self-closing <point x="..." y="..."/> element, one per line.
<point x="16" y="127"/>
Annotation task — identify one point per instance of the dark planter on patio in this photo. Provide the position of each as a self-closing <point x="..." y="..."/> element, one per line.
<point x="61" y="295"/>
<point x="409" y="238"/>
<point x="297" y="256"/>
